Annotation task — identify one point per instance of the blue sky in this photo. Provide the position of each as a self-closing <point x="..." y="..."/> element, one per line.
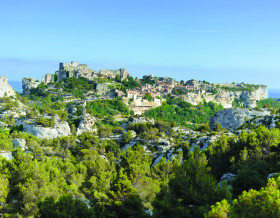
<point x="214" y="40"/>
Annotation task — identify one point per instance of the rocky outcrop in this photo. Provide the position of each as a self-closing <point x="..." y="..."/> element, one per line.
<point x="102" y="89"/>
<point x="60" y="129"/>
<point x="233" y="118"/>
<point x="86" y="124"/>
<point x="20" y="143"/>
<point x="5" y="89"/>
<point x="29" y="83"/>
<point x="270" y="122"/>
<point x="17" y="110"/>
<point x="136" y="120"/>
<point x="48" y="78"/>
<point x="226" y="98"/>
<point x="6" y="154"/>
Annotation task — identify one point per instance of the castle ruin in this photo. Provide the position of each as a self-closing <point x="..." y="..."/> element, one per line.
<point x="74" y="69"/>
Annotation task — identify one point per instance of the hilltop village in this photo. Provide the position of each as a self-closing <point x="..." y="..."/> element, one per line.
<point x="110" y="145"/>
<point x="146" y="93"/>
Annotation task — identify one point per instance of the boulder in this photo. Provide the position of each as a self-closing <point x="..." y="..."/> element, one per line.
<point x="60" y="129"/>
<point x="5" y="89"/>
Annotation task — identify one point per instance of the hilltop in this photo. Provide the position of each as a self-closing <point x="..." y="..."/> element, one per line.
<point x="76" y="81"/>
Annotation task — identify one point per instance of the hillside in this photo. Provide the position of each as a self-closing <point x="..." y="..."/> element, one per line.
<point x="88" y="143"/>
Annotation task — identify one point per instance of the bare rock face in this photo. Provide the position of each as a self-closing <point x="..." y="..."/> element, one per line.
<point x="102" y="89"/>
<point x="5" y="89"/>
<point x="226" y="98"/>
<point x="29" y="83"/>
<point x="60" y="129"/>
<point x="233" y="118"/>
<point x="86" y="124"/>
<point x="20" y="143"/>
<point x="48" y="78"/>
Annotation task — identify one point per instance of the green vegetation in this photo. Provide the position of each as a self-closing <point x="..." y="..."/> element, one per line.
<point x="243" y="88"/>
<point x="103" y="108"/>
<point x="148" y="81"/>
<point x="237" y="102"/>
<point x="45" y="122"/>
<point x="179" y="92"/>
<point x="124" y="85"/>
<point x="148" y="97"/>
<point x="61" y="177"/>
<point x="180" y="112"/>
<point x="268" y="103"/>
<point x="191" y="191"/>
<point x="92" y="175"/>
<point x="251" y="203"/>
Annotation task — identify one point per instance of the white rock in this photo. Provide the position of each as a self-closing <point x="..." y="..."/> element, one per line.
<point x="5" y="89"/>
<point x="7" y="155"/>
<point x="20" y="143"/>
<point x="60" y="129"/>
<point x="86" y="124"/>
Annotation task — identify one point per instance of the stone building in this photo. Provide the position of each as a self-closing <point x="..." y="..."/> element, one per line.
<point x="74" y="69"/>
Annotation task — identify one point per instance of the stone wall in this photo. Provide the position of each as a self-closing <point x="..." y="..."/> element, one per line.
<point x="139" y="105"/>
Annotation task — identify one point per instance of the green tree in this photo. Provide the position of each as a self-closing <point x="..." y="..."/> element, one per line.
<point x="125" y="201"/>
<point x="66" y="206"/>
<point x="148" y="97"/>
<point x="192" y="190"/>
<point x="252" y="203"/>
<point x="252" y="176"/>
<point x="4" y="189"/>
<point x="127" y="137"/>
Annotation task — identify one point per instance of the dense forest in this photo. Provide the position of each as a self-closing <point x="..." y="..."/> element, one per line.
<point x="63" y="178"/>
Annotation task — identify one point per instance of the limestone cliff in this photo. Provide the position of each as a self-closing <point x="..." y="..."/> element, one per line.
<point x="5" y="89"/>
<point x="226" y="98"/>
<point x="29" y="83"/>
<point x="233" y="118"/>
